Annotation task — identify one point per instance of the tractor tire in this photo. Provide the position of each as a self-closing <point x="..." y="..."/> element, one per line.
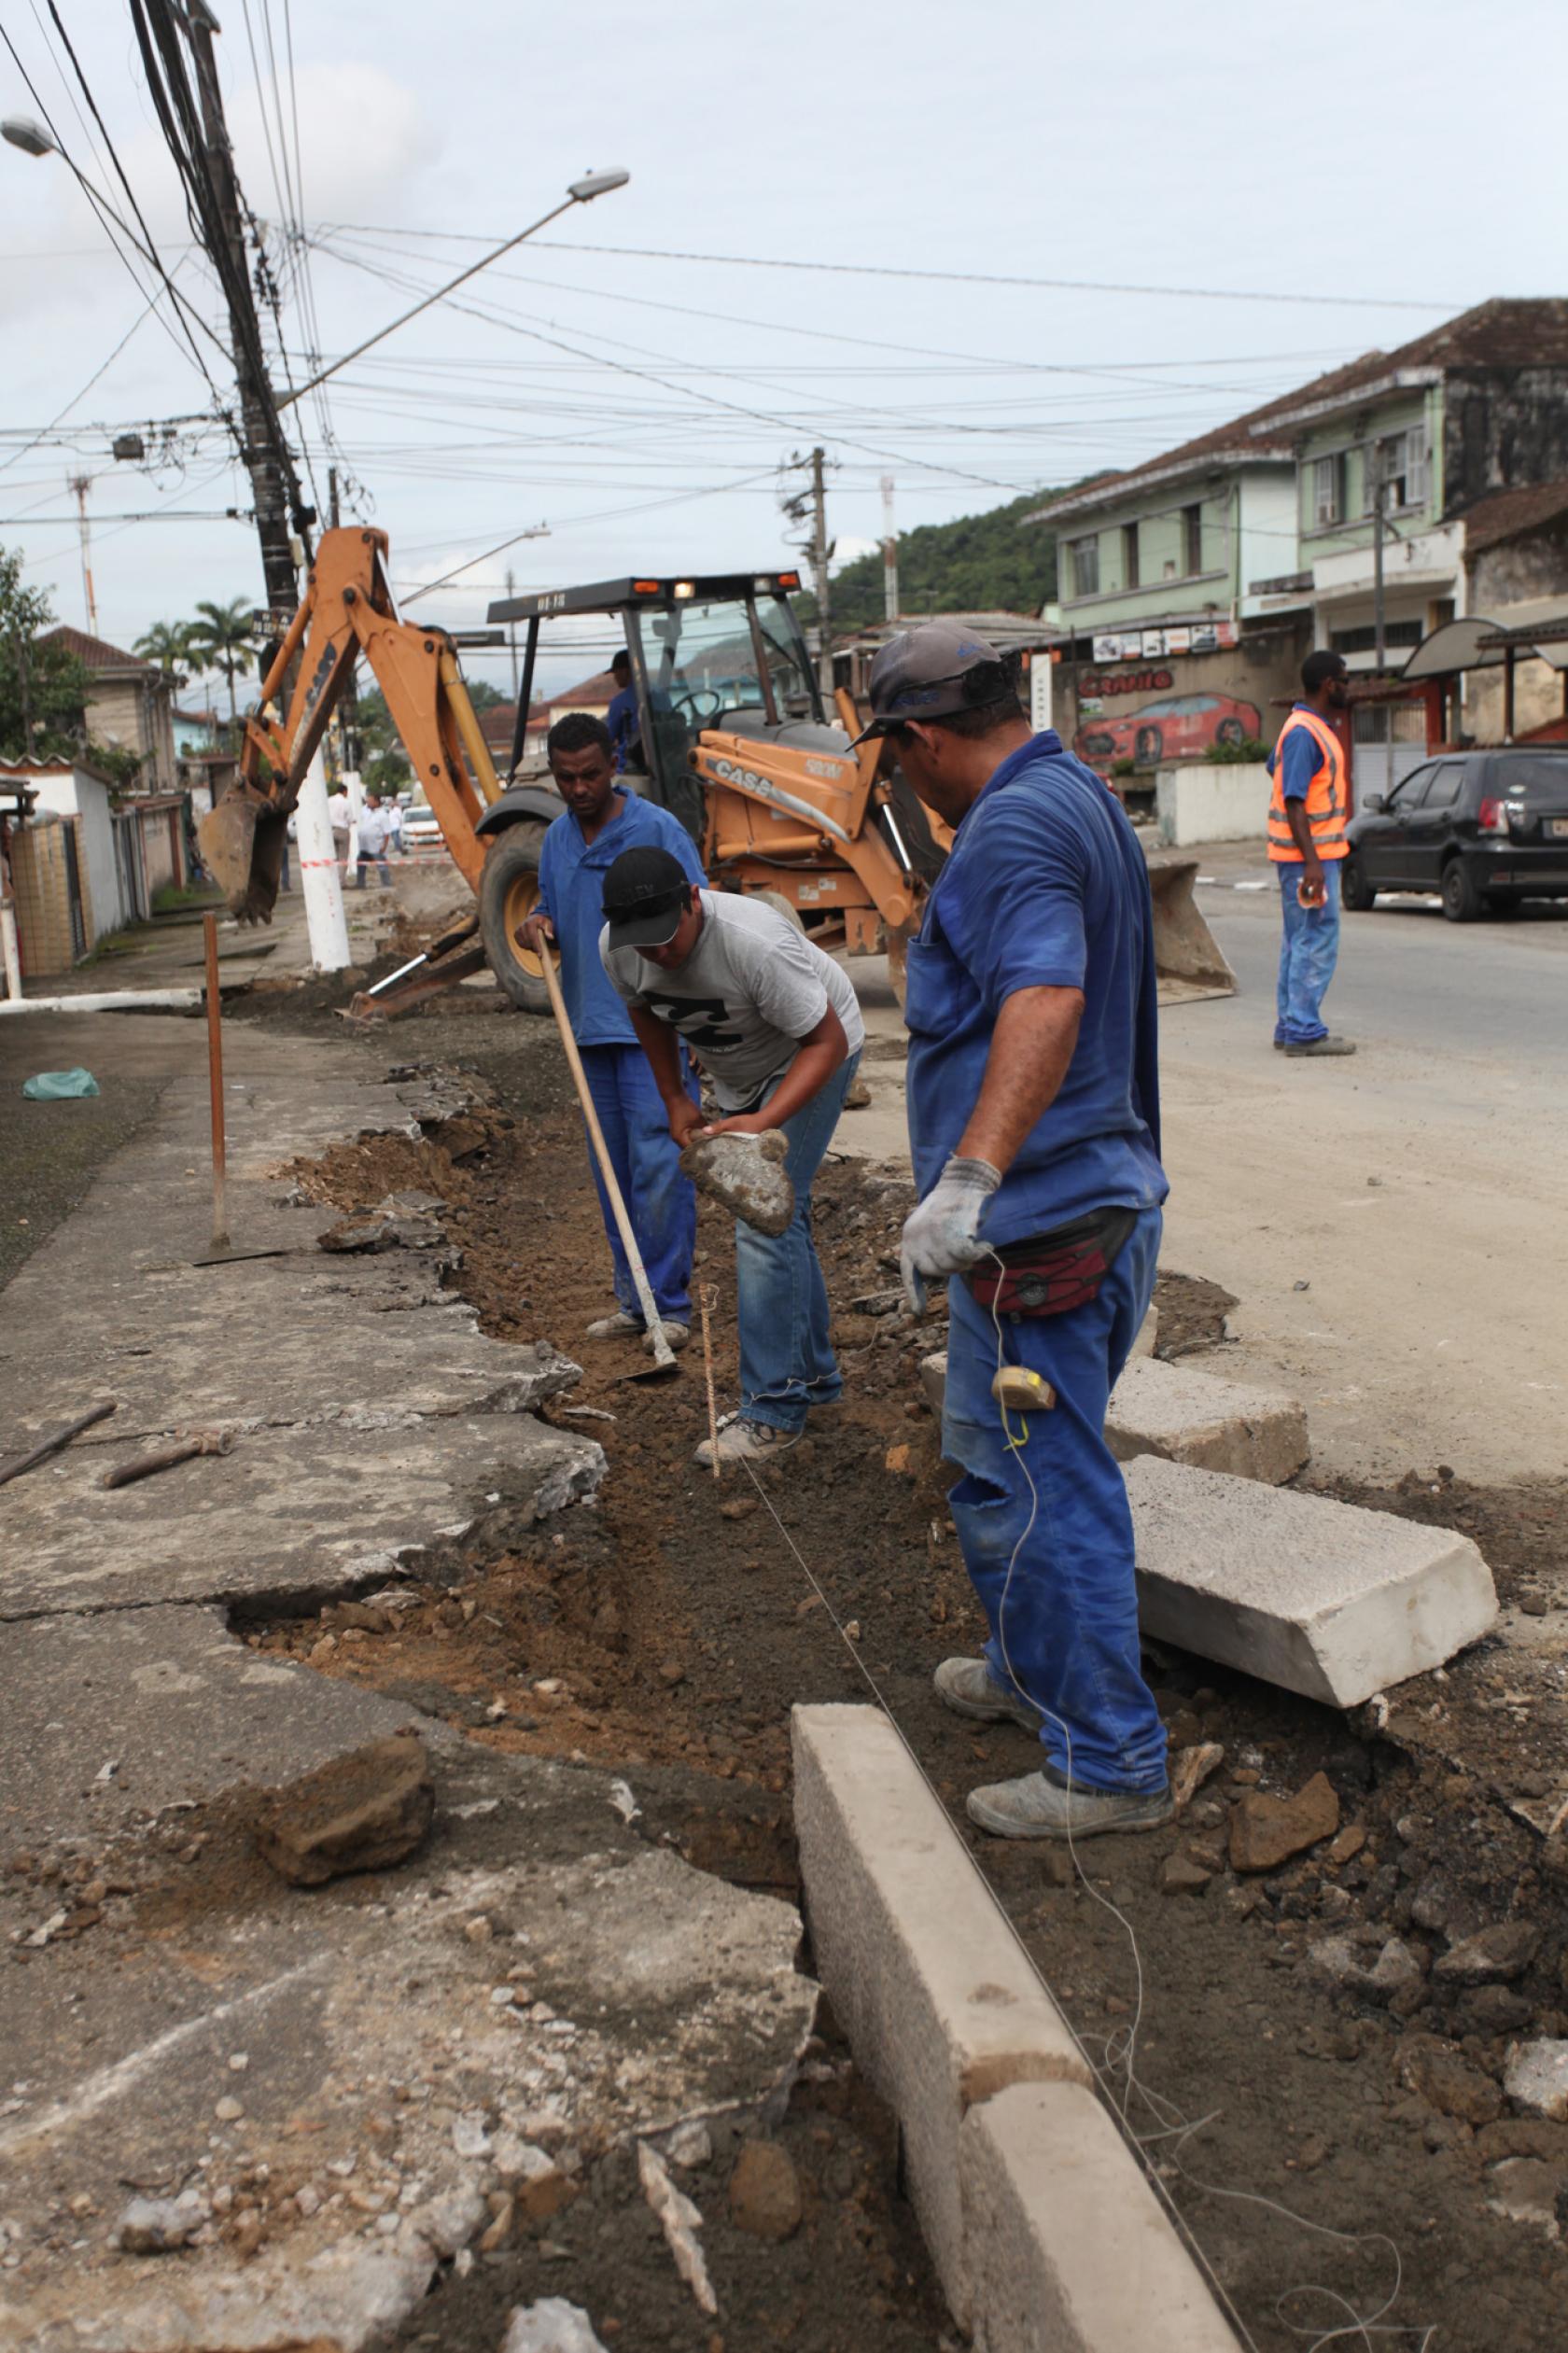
<point x="508" y="894"/>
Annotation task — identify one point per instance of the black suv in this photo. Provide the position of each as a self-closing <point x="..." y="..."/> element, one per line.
<point x="1485" y="829"/>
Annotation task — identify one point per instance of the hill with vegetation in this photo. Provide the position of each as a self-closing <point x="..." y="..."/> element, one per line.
<point x="979" y="563"/>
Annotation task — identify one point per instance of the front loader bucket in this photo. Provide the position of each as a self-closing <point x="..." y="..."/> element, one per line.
<point x="1187" y="957"/>
<point x="241" y="843"/>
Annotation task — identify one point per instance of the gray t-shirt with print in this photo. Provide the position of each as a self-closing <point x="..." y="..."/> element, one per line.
<point x="751" y="991"/>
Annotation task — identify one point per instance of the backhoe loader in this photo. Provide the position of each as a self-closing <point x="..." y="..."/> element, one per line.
<point x="732" y="738"/>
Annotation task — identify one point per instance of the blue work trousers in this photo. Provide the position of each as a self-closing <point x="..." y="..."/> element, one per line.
<point x="787" y="1363"/>
<point x="1309" y="950"/>
<point x="659" y="1201"/>
<point x="1054" y="1570"/>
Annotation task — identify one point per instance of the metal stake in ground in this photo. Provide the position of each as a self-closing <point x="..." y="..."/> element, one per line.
<point x="215" y="1076"/>
<point x="706" y="1298"/>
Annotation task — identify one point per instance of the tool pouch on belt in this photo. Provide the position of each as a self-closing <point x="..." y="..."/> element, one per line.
<point x="1054" y="1273"/>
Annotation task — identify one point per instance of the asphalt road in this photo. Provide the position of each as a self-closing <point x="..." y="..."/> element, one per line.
<point x="1497" y="989"/>
<point x="1391" y="1224"/>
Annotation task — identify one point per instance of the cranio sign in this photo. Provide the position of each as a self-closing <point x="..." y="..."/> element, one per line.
<point x="1125" y="682"/>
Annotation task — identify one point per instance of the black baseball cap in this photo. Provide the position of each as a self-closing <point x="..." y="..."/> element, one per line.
<point x="922" y="674"/>
<point x="644" y="898"/>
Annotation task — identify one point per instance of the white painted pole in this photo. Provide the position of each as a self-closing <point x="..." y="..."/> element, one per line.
<point x="8" y="943"/>
<point x="319" y="878"/>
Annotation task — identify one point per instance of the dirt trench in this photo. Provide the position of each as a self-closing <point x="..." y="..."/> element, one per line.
<point x="667" y="1629"/>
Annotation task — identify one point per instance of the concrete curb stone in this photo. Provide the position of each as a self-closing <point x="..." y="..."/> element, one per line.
<point x="1321" y="1597"/>
<point x="1216" y="1425"/>
<point x="1044" y="2235"/>
<point x="1068" y="2247"/>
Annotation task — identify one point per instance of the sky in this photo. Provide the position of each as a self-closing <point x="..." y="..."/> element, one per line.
<point x="1022" y="246"/>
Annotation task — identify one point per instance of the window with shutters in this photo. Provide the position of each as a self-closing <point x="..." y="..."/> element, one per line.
<point x="1086" y="567"/>
<point x="1129" y="556"/>
<point x="1328" y="490"/>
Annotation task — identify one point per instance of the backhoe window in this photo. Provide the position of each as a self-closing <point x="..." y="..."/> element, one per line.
<point x="792" y="686"/>
<point x="701" y="660"/>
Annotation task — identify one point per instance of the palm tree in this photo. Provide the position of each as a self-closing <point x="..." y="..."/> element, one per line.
<point x="223" y="637"/>
<point x="167" y="644"/>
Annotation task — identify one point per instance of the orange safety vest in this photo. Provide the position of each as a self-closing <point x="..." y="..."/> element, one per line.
<point x="1325" y="795"/>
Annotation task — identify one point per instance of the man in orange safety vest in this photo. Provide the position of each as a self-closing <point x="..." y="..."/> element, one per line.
<point x="1306" y="841"/>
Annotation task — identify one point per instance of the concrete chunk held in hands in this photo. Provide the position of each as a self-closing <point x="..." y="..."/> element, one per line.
<point x="746" y="1174"/>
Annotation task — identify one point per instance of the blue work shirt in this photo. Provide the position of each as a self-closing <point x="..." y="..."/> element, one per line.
<point x="571" y="875"/>
<point x="1046" y="887"/>
<point x="1298" y="762"/>
<point x="625" y="727"/>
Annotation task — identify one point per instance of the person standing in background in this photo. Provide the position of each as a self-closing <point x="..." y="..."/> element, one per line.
<point x="1306" y="841"/>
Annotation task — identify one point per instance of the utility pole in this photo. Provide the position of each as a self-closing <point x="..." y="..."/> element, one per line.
<point x="1378" y="525"/>
<point x="81" y="485"/>
<point x="268" y="460"/>
<point x="821" y="549"/>
<point x="511" y="631"/>
<point x="889" y="553"/>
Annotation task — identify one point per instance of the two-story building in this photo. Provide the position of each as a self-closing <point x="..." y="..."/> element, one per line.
<point x="1378" y="491"/>
<point x="130" y="704"/>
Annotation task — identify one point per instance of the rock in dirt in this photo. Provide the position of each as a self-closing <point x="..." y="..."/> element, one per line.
<point x="1182" y="1875"/>
<point x="1526" y="2191"/>
<point x="1191" y="1770"/>
<point x="1395" y="1971"/>
<point x="157" y="2226"/>
<point x="1266" y="1831"/>
<point x="1494" y="1956"/>
<point x="1537" y="2077"/>
<point x="680" y="2222"/>
<point x="746" y="1174"/>
<point x="1448" y="2083"/>
<point x="765" y="2192"/>
<point x="359" y="1813"/>
<point x="551" y="2326"/>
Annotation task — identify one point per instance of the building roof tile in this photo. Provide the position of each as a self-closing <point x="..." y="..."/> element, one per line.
<point x="95" y="652"/>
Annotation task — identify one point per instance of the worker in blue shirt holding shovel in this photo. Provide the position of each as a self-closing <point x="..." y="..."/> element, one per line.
<point x="602" y="817"/>
<point x="1034" y="1127"/>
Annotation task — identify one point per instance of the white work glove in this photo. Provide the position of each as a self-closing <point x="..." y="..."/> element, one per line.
<point x="940" y="1236"/>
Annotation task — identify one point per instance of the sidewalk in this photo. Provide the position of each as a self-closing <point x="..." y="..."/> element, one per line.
<point x="343" y="2086"/>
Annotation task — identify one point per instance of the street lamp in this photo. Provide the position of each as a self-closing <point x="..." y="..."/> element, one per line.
<point x="29" y="135"/>
<point x="580" y="192"/>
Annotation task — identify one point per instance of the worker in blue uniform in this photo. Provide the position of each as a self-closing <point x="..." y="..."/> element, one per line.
<point x="1034" y="1127"/>
<point x="602" y="817"/>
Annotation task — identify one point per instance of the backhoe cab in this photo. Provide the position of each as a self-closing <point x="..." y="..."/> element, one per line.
<point x="731" y="738"/>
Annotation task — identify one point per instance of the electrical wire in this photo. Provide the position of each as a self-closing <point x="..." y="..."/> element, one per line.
<point x="140" y="319"/>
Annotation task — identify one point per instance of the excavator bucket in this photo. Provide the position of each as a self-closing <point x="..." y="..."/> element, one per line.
<point x="1187" y="958"/>
<point x="241" y="843"/>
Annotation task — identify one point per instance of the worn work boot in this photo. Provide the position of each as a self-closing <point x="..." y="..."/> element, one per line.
<point x="740" y="1441"/>
<point x="619" y="1326"/>
<point x="1045" y="1805"/>
<point x="968" y="1687"/>
<point x="1316" y="1046"/>
<point x="677" y="1334"/>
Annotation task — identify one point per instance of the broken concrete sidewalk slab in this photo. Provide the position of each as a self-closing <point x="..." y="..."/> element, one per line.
<point x="1321" y="1597"/>
<point x="396" y="2071"/>
<point x="108" y="1715"/>
<point x="363" y="1812"/>
<point x="1068" y="2245"/>
<point x="1216" y="1425"/>
<point x="746" y="1174"/>
<point x="941" y="2007"/>
<point x="292" y="1516"/>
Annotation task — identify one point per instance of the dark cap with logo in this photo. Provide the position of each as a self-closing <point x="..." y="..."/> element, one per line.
<point x="644" y="898"/>
<point x="926" y="673"/>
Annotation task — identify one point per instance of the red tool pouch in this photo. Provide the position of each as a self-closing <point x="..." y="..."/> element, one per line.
<point x="1054" y="1273"/>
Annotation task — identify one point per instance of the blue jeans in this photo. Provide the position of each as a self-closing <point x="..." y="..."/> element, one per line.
<point x="1308" y="949"/>
<point x="379" y="862"/>
<point x="659" y="1201"/>
<point x="1065" y="1622"/>
<point x="787" y="1363"/>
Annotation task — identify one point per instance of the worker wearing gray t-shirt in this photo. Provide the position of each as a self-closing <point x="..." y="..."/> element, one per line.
<point x="778" y="1028"/>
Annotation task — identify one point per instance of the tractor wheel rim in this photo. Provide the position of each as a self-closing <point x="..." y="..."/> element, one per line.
<point x="522" y="898"/>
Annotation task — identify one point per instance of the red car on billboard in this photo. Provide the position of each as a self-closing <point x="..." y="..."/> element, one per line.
<point x="1175" y="727"/>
